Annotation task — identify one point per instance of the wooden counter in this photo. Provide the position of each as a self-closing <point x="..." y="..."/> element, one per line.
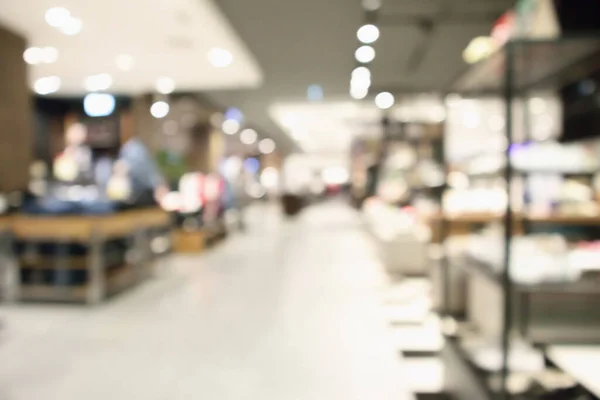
<point x="134" y="228"/>
<point x="81" y="228"/>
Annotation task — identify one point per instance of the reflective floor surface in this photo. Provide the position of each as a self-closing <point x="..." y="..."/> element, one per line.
<point x="288" y="310"/>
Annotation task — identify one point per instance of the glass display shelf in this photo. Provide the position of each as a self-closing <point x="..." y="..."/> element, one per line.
<point x="532" y="64"/>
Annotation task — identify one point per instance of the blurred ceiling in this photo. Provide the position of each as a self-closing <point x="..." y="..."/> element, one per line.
<point x="165" y="38"/>
<point x="301" y="43"/>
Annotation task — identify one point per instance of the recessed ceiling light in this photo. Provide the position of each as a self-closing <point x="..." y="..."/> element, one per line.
<point x="95" y="83"/>
<point x="33" y="55"/>
<point x="57" y="16"/>
<point x="361" y="73"/>
<point x="219" y="57"/>
<point x="361" y="78"/>
<point x="365" y="54"/>
<point x="159" y="109"/>
<point x="47" y="85"/>
<point x="368" y="33"/>
<point x="165" y="85"/>
<point x="231" y="126"/>
<point x="49" y="55"/>
<point x="248" y="136"/>
<point x="266" y="146"/>
<point x="359" y="92"/>
<point x="36" y="55"/>
<point x="72" y="27"/>
<point x="98" y="104"/>
<point x="125" y="62"/>
<point x="371" y="5"/>
<point x="384" y="100"/>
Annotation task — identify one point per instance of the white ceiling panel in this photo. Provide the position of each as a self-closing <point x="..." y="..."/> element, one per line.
<point x="169" y="38"/>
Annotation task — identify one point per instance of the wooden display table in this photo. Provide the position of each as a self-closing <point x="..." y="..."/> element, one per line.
<point x="189" y="242"/>
<point x="105" y="254"/>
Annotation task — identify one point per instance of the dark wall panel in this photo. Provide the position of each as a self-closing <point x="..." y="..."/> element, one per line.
<point x="16" y="117"/>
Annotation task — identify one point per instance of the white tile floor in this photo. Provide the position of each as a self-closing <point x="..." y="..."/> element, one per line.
<point x="291" y="310"/>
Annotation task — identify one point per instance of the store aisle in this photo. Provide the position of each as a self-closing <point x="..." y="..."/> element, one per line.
<point x="290" y="310"/>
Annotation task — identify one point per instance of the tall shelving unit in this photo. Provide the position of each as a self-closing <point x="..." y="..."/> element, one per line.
<point x="513" y="72"/>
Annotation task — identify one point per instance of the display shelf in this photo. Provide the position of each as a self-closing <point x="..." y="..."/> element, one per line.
<point x="545" y="313"/>
<point x="537" y="63"/>
<point x="463" y="380"/>
<point x="581" y="287"/>
<point x="487" y="217"/>
<point x="523" y="173"/>
<point x="572" y="319"/>
<point x="581" y="362"/>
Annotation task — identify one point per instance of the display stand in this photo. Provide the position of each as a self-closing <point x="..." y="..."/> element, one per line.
<point x="542" y="314"/>
<point x="84" y="258"/>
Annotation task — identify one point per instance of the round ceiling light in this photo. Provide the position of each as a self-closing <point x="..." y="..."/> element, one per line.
<point x="368" y="33"/>
<point x="231" y="127"/>
<point x="72" y="27"/>
<point x="384" y="100"/>
<point x="359" y="92"/>
<point x="365" y="54"/>
<point x="125" y="62"/>
<point x="248" y="136"/>
<point x="165" y="85"/>
<point x="361" y="74"/>
<point x="220" y="58"/>
<point x="266" y="146"/>
<point x="47" y="85"/>
<point x="33" y="55"/>
<point x="36" y="55"/>
<point x="57" y="17"/>
<point x="371" y="5"/>
<point x="160" y="109"/>
<point x="49" y="55"/>
<point x="99" y="104"/>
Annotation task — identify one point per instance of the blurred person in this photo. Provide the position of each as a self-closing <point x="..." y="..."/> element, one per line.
<point x="147" y="183"/>
<point x="74" y="164"/>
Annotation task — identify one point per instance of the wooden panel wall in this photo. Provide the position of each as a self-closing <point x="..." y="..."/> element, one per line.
<point x="16" y="114"/>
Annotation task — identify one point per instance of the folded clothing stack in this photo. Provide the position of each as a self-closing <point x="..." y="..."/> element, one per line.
<point x="533" y="259"/>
